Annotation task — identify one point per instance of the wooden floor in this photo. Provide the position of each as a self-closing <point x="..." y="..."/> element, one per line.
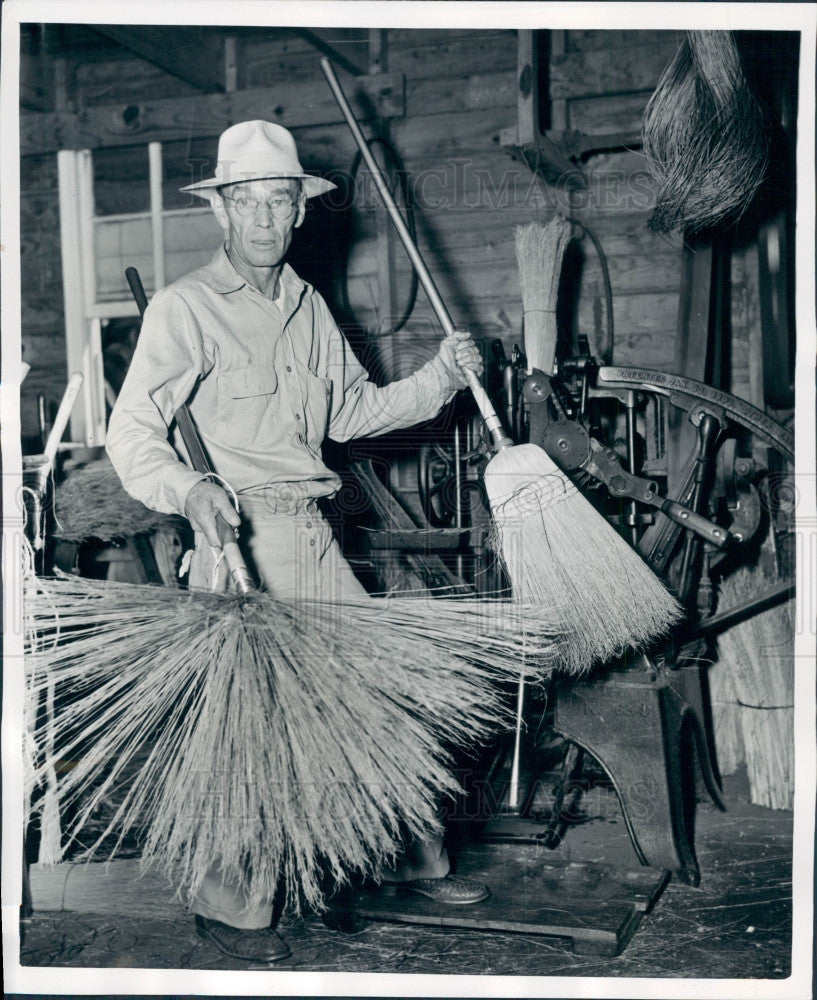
<point x="736" y="924"/>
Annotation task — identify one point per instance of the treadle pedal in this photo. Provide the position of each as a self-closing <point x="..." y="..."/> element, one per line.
<point x="596" y="907"/>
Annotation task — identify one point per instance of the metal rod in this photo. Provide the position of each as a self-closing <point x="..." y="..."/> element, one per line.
<point x="458" y="490"/>
<point x="631" y="462"/>
<point x="513" y="793"/>
<point x="717" y="623"/>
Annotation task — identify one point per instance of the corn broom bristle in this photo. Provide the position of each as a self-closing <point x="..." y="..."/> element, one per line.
<point x="758" y="656"/>
<point x="269" y="735"/>
<point x="562" y="555"/>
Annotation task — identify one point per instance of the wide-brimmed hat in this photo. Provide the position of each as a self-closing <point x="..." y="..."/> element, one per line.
<point x="254" y="151"/>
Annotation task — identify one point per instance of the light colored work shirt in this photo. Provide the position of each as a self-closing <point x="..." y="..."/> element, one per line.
<point x="266" y="382"/>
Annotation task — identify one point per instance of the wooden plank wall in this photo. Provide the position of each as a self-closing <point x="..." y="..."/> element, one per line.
<point x="469" y="193"/>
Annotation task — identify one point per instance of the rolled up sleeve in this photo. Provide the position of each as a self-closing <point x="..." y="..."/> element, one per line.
<point x="360" y="408"/>
<point x="168" y="361"/>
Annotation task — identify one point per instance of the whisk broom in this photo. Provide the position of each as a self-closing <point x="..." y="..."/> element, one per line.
<point x="559" y="552"/>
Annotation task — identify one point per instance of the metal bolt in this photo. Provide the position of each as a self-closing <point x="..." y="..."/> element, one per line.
<point x="562" y="444"/>
<point x="648" y="494"/>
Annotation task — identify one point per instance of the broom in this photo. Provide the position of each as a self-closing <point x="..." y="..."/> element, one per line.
<point x="559" y="552"/>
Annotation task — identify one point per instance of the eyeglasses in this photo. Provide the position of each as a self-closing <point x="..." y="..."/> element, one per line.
<point x="280" y="208"/>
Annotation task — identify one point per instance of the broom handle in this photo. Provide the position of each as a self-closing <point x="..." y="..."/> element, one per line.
<point x="492" y="421"/>
<point x="198" y="459"/>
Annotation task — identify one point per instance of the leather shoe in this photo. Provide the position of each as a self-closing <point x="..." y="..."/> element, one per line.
<point x="254" y="945"/>
<point x="453" y="890"/>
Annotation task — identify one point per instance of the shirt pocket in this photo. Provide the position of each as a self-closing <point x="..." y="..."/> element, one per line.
<point x="248" y="404"/>
<point x="317" y="393"/>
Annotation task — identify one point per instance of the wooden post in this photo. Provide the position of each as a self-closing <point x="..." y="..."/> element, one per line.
<point x="72" y="278"/>
<point x="157" y="228"/>
<point x="233" y="64"/>
<point x="378" y="63"/>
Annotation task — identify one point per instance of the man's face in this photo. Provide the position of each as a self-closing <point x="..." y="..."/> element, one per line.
<point x="258" y="218"/>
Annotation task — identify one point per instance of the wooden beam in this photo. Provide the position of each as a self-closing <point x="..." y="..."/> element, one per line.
<point x="191" y="53"/>
<point x="327" y="42"/>
<point x="293" y="105"/>
<point x="525" y="138"/>
<point x="117" y="887"/>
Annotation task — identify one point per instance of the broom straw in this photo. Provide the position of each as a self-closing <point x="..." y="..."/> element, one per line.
<point x="540" y="250"/>
<point x="757" y="657"/>
<point x="253" y="733"/>
<point x="559" y="552"/>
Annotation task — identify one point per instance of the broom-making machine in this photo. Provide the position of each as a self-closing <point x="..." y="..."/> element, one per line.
<point x="699" y="482"/>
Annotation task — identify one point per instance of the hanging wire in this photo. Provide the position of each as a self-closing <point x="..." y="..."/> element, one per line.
<point x="607" y="351"/>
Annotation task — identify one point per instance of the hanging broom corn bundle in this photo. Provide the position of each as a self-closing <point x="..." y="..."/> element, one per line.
<point x="704" y="136"/>
<point x="560" y="553"/>
<point x="265" y="735"/>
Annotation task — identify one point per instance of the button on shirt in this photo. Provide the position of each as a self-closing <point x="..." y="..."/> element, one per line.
<point x="265" y="381"/>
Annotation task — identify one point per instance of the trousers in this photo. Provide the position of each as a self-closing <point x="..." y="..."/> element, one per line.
<point x="292" y="550"/>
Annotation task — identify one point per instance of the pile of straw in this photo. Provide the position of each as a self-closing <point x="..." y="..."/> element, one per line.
<point x="704" y="136"/>
<point x="277" y="735"/>
<point x="92" y="504"/>
<point x="753" y="683"/>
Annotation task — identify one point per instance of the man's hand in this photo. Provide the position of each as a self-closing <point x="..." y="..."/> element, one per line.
<point x="204" y="501"/>
<point x="459" y="352"/>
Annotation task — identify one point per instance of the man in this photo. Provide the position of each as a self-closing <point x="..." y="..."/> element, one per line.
<point x="267" y="376"/>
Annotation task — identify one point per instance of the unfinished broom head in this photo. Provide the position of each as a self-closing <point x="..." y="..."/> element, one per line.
<point x="704" y="136"/>
<point x="91" y="503"/>
<point x="540" y="250"/>
<point x="261" y="735"/>
<point x="563" y="556"/>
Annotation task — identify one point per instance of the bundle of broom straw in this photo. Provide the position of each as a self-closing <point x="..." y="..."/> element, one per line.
<point x="704" y="136"/>
<point x="267" y="736"/>
<point x="540" y="250"/>
<point x="752" y="688"/>
<point x="560" y="553"/>
<point x="93" y="504"/>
